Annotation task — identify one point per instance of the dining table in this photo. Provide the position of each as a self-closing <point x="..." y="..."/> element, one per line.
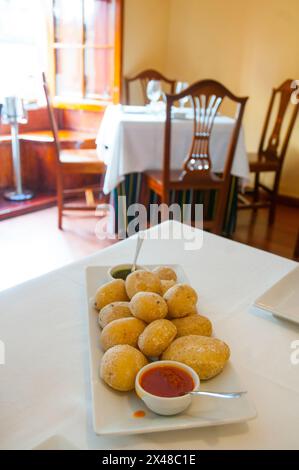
<point x="130" y="141"/>
<point x="45" y="388"/>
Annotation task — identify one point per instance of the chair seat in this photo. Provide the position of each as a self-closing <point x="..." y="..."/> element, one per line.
<point x="65" y="136"/>
<point x="78" y="156"/>
<point x="256" y="165"/>
<point x="81" y="160"/>
<point x="156" y="178"/>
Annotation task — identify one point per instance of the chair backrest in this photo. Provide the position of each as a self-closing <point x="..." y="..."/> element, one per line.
<point x="206" y="98"/>
<point x="52" y="119"/>
<point x="276" y="146"/>
<point x="144" y="77"/>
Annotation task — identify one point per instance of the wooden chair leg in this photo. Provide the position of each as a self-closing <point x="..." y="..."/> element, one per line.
<point x="165" y="198"/>
<point x="296" y="252"/>
<point x="256" y="192"/>
<point x="220" y="211"/>
<point x="145" y="194"/>
<point x="218" y="226"/>
<point x="89" y="197"/>
<point x="272" y="210"/>
<point x="59" y="189"/>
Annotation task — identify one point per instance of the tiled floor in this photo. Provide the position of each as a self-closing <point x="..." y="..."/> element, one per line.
<point x="31" y="245"/>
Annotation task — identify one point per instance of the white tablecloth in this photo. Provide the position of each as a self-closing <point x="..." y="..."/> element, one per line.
<point x="45" y="387"/>
<point x="131" y="142"/>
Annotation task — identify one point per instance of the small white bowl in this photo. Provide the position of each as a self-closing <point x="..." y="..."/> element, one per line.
<point x="165" y="405"/>
<point x="120" y="267"/>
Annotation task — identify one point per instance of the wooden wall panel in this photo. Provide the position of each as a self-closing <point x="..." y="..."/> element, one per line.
<point x="38" y="158"/>
<point x="6" y="175"/>
<point x="37" y="120"/>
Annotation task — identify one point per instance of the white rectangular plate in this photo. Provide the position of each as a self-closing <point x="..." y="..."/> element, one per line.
<point x="282" y="299"/>
<point x="113" y="412"/>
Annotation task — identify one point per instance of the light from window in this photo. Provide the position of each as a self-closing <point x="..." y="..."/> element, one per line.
<point x="23" y="48"/>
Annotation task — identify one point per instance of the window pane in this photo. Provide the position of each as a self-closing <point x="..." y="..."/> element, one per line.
<point x="68" y="20"/>
<point x="23" y="48"/>
<point x="99" y="64"/>
<point x="99" y="22"/>
<point x="68" y="72"/>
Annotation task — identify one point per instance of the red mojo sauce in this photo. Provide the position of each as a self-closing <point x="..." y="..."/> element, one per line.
<point x="167" y="381"/>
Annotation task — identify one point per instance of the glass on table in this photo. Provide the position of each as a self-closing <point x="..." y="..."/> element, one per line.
<point x="154" y="92"/>
<point x="181" y="86"/>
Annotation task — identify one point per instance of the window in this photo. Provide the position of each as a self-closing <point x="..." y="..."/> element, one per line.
<point x="23" y="48"/>
<point x="86" y="57"/>
<point x="77" y="43"/>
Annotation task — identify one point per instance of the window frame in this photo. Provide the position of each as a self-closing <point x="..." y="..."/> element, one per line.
<point x="87" y="103"/>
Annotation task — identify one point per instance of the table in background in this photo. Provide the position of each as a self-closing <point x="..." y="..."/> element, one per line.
<point x="45" y="383"/>
<point x="130" y="141"/>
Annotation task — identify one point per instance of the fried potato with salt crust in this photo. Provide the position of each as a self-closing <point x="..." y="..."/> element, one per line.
<point x="193" y="325"/>
<point x="156" y="337"/>
<point x="166" y="285"/>
<point x="122" y="331"/>
<point x="120" y="365"/>
<point x="113" y="291"/>
<point x="165" y="273"/>
<point x="181" y="300"/>
<point x="114" y="311"/>
<point x="148" y="306"/>
<point x="207" y="356"/>
<point x="192" y="312"/>
<point x="142" y="281"/>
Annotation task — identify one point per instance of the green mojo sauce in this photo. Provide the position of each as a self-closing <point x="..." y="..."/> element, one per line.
<point x="121" y="274"/>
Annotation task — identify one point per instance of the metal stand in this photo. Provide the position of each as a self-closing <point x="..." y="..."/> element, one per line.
<point x="16" y="197"/>
<point x="19" y="194"/>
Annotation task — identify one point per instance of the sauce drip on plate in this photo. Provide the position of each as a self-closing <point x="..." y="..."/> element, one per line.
<point x="139" y="414"/>
<point x="167" y="381"/>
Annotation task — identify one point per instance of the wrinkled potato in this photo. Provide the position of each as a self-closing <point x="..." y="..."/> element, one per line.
<point x="193" y="325"/>
<point x="148" y="306"/>
<point x="122" y="331"/>
<point x="142" y="281"/>
<point x="181" y="300"/>
<point x="165" y="273"/>
<point x="165" y="285"/>
<point x="207" y="356"/>
<point x="114" y="311"/>
<point x="193" y="311"/>
<point x="156" y="337"/>
<point x="120" y="365"/>
<point x="113" y="291"/>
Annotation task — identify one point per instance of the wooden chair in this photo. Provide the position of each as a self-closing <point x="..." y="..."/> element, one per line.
<point x="271" y="152"/>
<point x="144" y="77"/>
<point x="296" y="251"/>
<point x="197" y="173"/>
<point x="83" y="161"/>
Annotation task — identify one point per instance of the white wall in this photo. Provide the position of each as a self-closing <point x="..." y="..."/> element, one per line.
<point x="250" y="46"/>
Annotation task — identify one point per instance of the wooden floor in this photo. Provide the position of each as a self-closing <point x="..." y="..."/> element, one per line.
<point x="279" y="239"/>
<point x="10" y="209"/>
<point x="31" y="245"/>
